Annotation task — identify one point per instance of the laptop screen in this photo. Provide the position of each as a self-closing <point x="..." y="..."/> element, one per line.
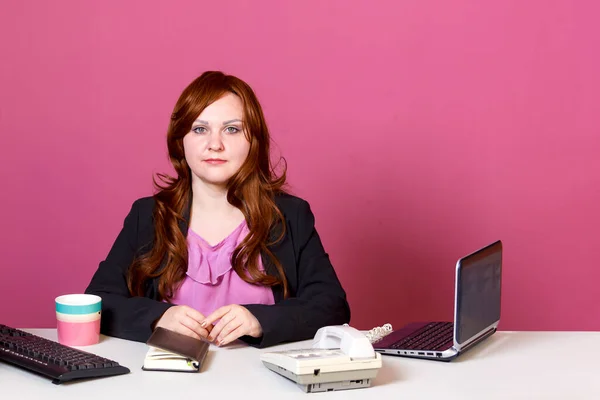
<point x="479" y="281"/>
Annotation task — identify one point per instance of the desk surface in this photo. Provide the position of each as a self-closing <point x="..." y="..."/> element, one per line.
<point x="508" y="365"/>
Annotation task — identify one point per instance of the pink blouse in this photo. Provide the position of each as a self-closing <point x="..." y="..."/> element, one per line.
<point x="211" y="281"/>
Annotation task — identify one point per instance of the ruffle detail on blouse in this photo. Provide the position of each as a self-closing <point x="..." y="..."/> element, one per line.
<point x="206" y="263"/>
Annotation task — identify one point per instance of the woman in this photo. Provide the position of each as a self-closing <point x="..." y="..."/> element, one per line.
<point x="220" y="251"/>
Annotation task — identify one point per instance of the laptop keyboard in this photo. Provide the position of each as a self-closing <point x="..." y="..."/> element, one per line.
<point x="433" y="336"/>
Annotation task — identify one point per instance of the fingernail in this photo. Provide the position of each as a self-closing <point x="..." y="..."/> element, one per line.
<point x="203" y="324"/>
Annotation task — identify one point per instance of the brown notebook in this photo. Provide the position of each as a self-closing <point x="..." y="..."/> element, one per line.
<point x="172" y="351"/>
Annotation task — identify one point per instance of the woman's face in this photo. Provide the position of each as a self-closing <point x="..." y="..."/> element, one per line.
<point x="216" y="146"/>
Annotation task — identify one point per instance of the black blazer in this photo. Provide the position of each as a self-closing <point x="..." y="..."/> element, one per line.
<point x="316" y="297"/>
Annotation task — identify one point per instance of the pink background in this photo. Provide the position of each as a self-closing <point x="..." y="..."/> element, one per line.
<point x="418" y="130"/>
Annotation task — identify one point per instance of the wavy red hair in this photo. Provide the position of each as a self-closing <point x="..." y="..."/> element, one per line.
<point x="252" y="190"/>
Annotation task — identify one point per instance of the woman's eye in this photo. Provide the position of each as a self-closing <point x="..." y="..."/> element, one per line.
<point x="199" y="129"/>
<point x="232" y="129"/>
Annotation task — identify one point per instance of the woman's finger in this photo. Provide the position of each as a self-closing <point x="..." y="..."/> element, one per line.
<point x="233" y="325"/>
<point x="194" y="314"/>
<point x="216" y="330"/>
<point x="194" y="326"/>
<point x="184" y="330"/>
<point x="233" y="335"/>
<point x="215" y="315"/>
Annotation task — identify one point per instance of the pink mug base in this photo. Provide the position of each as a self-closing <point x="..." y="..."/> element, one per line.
<point x="78" y="333"/>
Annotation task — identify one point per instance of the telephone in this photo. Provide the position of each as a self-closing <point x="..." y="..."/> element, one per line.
<point x="341" y="357"/>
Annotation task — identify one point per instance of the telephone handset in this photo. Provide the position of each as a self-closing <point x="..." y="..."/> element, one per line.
<point x="349" y="340"/>
<point x="341" y="357"/>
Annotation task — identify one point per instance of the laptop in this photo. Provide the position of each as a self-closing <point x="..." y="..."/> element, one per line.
<point x="476" y="313"/>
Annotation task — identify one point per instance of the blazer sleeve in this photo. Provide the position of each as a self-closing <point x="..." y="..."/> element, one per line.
<point x="124" y="316"/>
<point x="319" y="300"/>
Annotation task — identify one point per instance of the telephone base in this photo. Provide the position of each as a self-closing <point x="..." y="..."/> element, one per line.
<point x="334" y="386"/>
<point x="326" y="382"/>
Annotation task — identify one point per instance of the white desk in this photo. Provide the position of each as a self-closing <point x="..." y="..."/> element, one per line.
<point x="509" y="365"/>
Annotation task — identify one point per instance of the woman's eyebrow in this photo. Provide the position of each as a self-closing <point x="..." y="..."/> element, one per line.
<point x="231" y="121"/>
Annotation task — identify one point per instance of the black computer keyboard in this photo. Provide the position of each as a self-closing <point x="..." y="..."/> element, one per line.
<point x="433" y="336"/>
<point x="58" y="362"/>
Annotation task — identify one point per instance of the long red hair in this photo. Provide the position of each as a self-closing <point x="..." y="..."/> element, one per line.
<point x="252" y="190"/>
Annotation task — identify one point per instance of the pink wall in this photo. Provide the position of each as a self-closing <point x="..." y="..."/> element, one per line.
<point x="418" y="130"/>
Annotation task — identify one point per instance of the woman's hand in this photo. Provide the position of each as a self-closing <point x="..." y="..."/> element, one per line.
<point x="234" y="321"/>
<point x="185" y="320"/>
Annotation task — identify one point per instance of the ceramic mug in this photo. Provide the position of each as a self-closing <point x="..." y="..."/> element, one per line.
<point x="78" y="319"/>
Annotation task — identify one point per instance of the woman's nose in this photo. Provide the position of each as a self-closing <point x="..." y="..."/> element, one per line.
<point x="215" y="143"/>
